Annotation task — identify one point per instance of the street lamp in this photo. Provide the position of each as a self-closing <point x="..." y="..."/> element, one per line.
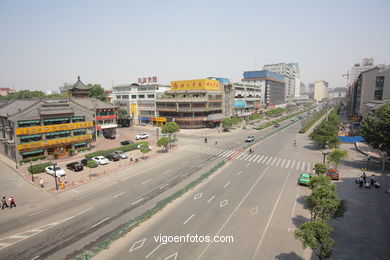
<point x="32" y="172"/>
<point x="383" y="161"/>
<point x="368" y="158"/>
<point x="324" y="154"/>
<point x="55" y="174"/>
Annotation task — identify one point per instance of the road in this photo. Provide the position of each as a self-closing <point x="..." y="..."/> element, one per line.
<point x="254" y="198"/>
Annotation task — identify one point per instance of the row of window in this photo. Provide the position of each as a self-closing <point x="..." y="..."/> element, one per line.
<point x="51" y="121"/>
<point x="53" y="135"/>
<point x="105" y="113"/>
<point x="141" y="96"/>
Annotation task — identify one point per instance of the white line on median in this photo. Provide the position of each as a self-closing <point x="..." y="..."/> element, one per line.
<point x="210" y="199"/>
<point x="200" y="165"/>
<point x="135" y="202"/>
<point x="119" y="194"/>
<point x="188" y="219"/>
<point x="148" y="180"/>
<point x="162" y="187"/>
<point x="35" y="257"/>
<point x="238" y="173"/>
<point x="147" y="256"/>
<point x="227" y="184"/>
<point x="44" y="210"/>
<point x="100" y="222"/>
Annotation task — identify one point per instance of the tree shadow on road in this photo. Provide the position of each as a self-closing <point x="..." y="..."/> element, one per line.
<point x="288" y="256"/>
<point x="302" y="200"/>
<point x="299" y="220"/>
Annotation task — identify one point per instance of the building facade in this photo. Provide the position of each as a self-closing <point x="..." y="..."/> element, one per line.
<point x="247" y="99"/>
<point x="337" y="93"/>
<point x="291" y="74"/>
<point x="6" y="91"/>
<point x="79" y="89"/>
<point x="31" y="128"/>
<point x="320" y="90"/>
<point x="272" y="87"/>
<point x="367" y="64"/>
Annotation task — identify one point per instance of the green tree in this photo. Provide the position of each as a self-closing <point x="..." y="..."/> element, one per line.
<point x="334" y="141"/>
<point x="375" y="128"/>
<point x="144" y="149"/>
<point x="320" y="168"/>
<point x="316" y="235"/>
<point x="323" y="202"/>
<point x="323" y="133"/>
<point x="336" y="156"/>
<point x="321" y="180"/>
<point x="170" y="128"/>
<point x="163" y="142"/>
<point x="97" y="91"/>
<point x="122" y="113"/>
<point x="227" y="123"/>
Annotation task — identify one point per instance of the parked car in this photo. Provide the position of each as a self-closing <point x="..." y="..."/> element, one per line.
<point x="59" y="172"/>
<point x="333" y="174"/>
<point x="142" y="136"/>
<point x="84" y="162"/>
<point x="75" y="166"/>
<point x="113" y="157"/>
<point x="250" y="138"/>
<point x="276" y="125"/>
<point x="121" y="154"/>
<point x="126" y="142"/>
<point x="304" y="179"/>
<point x="100" y="160"/>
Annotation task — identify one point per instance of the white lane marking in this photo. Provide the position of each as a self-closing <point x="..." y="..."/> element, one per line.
<point x="100" y="222"/>
<point x="148" y="180"/>
<point x="219" y="151"/>
<point x="162" y="187"/>
<point x="298" y="165"/>
<point x="184" y="163"/>
<point x="283" y="163"/>
<point x="270" y="217"/>
<point x="225" y="153"/>
<point x="269" y="160"/>
<point x="173" y="256"/>
<point x="308" y="167"/>
<point x="248" y="164"/>
<point x="230" y="153"/>
<point x="257" y="156"/>
<point x="135" y="202"/>
<point x="167" y="171"/>
<point x="254" y="211"/>
<point x="292" y="165"/>
<point x="188" y="219"/>
<point x="2" y="245"/>
<point x="200" y="165"/>
<point x="74" y="190"/>
<point x="273" y="162"/>
<point x="223" y="203"/>
<point x="140" y="244"/>
<point x="240" y="156"/>
<point x="147" y="256"/>
<point x="38" y="212"/>
<point x="185" y="174"/>
<point x="198" y="196"/>
<point x="245" y="157"/>
<point x="119" y="194"/>
<point x="234" y="211"/>
<point x="210" y="199"/>
<point x="35" y="257"/>
<point x="303" y="166"/>
<point x="295" y="202"/>
<point x="277" y="164"/>
<point x="260" y="158"/>
<point x="18" y="236"/>
<point x="238" y="173"/>
<point x="264" y="159"/>
<point x="288" y="163"/>
<point x="227" y="184"/>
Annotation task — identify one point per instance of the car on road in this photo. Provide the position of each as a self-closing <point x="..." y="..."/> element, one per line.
<point x="304" y="179"/>
<point x="100" y="160"/>
<point x="113" y="157"/>
<point x="54" y="169"/>
<point x="84" y="162"/>
<point x="276" y="125"/>
<point x="75" y="166"/>
<point x="121" y="154"/>
<point x="126" y="142"/>
<point x="141" y="136"/>
<point x="333" y="174"/>
<point x="250" y="138"/>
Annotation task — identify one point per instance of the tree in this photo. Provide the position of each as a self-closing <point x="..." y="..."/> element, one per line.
<point x="122" y="113"/>
<point x="144" y="148"/>
<point x="336" y="156"/>
<point x="320" y="168"/>
<point x="324" y="132"/>
<point x="323" y="202"/>
<point x="375" y="128"/>
<point x="227" y="123"/>
<point x="334" y="142"/>
<point x="316" y="235"/>
<point x="164" y="142"/>
<point x="170" y="128"/>
<point x="320" y="180"/>
<point x="97" y="91"/>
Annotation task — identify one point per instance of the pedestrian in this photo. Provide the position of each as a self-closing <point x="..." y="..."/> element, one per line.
<point x="367" y="185"/>
<point x="58" y="179"/>
<point x="377" y="185"/>
<point x="364" y="176"/>
<point x="66" y="179"/>
<point x="12" y="202"/>
<point x="131" y="158"/>
<point x="216" y="141"/>
<point x="4" y="202"/>
<point x="41" y="182"/>
<point x="205" y="139"/>
<point x="361" y="181"/>
<point x="63" y="185"/>
<point x="373" y="179"/>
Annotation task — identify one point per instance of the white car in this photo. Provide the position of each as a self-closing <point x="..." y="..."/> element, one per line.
<point x="142" y="136"/>
<point x="250" y="138"/>
<point x="57" y="169"/>
<point x="121" y="154"/>
<point x="100" y="160"/>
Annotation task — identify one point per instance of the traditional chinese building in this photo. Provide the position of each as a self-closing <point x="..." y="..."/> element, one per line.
<point x="79" y="89"/>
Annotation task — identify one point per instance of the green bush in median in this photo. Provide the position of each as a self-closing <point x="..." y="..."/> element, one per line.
<point x="38" y="168"/>
<point x="124" y="148"/>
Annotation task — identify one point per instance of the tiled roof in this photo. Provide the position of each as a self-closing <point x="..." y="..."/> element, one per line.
<point x="93" y="103"/>
<point x="15" y="106"/>
<point x="80" y="85"/>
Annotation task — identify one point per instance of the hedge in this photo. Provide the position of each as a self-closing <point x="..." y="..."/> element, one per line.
<point x="311" y="123"/>
<point x="42" y="157"/>
<point x="124" y="148"/>
<point x="38" y="168"/>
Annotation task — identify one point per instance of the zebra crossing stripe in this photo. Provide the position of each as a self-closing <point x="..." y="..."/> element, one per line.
<point x="230" y="153"/>
<point x="258" y="161"/>
<point x="263" y="161"/>
<point x="292" y="165"/>
<point x="257" y="156"/>
<point x="269" y="160"/>
<point x="226" y="153"/>
<point x="288" y="163"/>
<point x="303" y="166"/>
<point x="308" y="167"/>
<point x="240" y="156"/>
<point x="280" y="159"/>
<point x="298" y="165"/>
<point x="273" y="162"/>
<point x="283" y="163"/>
<point x="251" y="158"/>
<point x="219" y="152"/>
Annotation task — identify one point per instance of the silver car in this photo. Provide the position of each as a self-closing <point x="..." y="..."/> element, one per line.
<point x="121" y="154"/>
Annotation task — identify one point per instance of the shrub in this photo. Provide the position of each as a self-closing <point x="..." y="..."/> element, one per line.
<point x="124" y="148"/>
<point x="91" y="164"/>
<point x="38" y="168"/>
<point x="42" y="157"/>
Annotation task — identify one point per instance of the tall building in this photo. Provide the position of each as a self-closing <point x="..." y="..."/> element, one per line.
<point x="367" y="64"/>
<point x="272" y="86"/>
<point x="320" y="90"/>
<point x="291" y="74"/>
<point x="247" y="99"/>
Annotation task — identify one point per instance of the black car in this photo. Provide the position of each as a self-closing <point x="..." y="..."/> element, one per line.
<point x="75" y="166"/>
<point x="276" y="125"/>
<point x="126" y="142"/>
<point x="85" y="161"/>
<point x="113" y="157"/>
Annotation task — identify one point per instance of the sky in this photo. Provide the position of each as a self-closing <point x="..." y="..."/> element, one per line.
<point x="44" y="44"/>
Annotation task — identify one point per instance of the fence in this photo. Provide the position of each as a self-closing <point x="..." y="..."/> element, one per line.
<point x="127" y="227"/>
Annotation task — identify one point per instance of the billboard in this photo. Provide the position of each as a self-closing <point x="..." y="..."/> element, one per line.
<point x="196" y="84"/>
<point x="52" y="128"/>
<point x="147" y="80"/>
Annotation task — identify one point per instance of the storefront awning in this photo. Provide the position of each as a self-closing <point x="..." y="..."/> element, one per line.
<point x="80" y="144"/>
<point x="55" y="119"/>
<point x="215" y="117"/>
<point x="30" y="122"/>
<point x="33" y="152"/>
<point x="29" y="136"/>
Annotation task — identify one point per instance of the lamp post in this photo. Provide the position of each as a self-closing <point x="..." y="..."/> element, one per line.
<point x="383" y="161"/>
<point x="368" y="158"/>
<point x="324" y="154"/>
<point x="32" y="172"/>
<point x="55" y="174"/>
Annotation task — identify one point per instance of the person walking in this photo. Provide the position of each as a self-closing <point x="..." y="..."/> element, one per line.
<point x="12" y="202"/>
<point x="373" y="179"/>
<point x="131" y="157"/>
<point x="4" y="203"/>
<point x="361" y="181"/>
<point x="41" y="182"/>
<point x="205" y="139"/>
<point x="364" y="176"/>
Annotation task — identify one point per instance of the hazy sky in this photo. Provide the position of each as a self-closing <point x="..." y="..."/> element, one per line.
<point x="46" y="43"/>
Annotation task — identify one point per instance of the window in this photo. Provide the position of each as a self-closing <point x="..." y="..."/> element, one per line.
<point x="118" y="96"/>
<point x="378" y="93"/>
<point x="150" y="95"/>
<point x="134" y="96"/>
<point x="125" y="96"/>
<point x="141" y="96"/>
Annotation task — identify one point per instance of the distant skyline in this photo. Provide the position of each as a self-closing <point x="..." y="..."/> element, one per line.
<point x="47" y="43"/>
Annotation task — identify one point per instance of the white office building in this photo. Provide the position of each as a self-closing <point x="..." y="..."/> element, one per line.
<point x="320" y="90"/>
<point x="367" y="64"/>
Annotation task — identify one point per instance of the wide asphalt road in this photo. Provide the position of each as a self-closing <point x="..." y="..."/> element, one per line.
<point x="254" y="200"/>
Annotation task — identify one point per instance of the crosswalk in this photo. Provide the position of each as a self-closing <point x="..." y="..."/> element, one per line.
<point x="260" y="159"/>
